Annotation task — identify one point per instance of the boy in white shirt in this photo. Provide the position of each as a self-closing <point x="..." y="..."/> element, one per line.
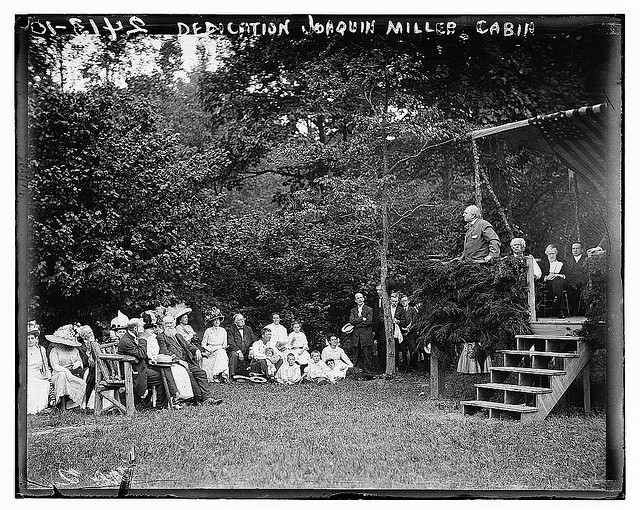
<point x="289" y="372"/>
<point x="317" y="370"/>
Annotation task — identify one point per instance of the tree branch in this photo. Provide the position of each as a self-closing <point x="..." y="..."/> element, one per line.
<point x="367" y="238"/>
<point x="424" y="148"/>
<point x="409" y="213"/>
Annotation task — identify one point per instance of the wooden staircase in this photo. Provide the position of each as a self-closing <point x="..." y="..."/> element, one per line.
<point x="536" y="373"/>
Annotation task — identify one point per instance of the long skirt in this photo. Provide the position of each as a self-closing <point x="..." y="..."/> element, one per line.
<point x="65" y="384"/>
<point x="216" y="364"/>
<point x="37" y="392"/>
<point x="468" y="364"/>
<point x="183" y="381"/>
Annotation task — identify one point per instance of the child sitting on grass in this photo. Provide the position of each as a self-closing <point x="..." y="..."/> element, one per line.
<point x="334" y="373"/>
<point x="289" y="372"/>
<point x="317" y="370"/>
<point x="272" y="360"/>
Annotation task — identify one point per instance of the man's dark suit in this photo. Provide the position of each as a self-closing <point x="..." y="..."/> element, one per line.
<point x="362" y="338"/>
<point x="239" y="342"/>
<point x="480" y="240"/>
<point x="143" y="377"/>
<point x="577" y="277"/>
<point x="184" y="351"/>
<point x="409" y="343"/>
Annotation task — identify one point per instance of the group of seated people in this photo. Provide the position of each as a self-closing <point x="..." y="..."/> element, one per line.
<point x="559" y="276"/>
<point x="61" y="371"/>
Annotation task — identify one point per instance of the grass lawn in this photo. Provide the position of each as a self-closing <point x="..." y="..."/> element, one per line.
<point x="357" y="434"/>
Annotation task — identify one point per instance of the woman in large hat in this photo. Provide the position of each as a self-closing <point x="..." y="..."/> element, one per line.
<point x="38" y="373"/>
<point x="214" y="348"/>
<point x="69" y="386"/>
<point x="181" y="314"/>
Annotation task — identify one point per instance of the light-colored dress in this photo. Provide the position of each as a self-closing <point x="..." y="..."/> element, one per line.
<point x="180" y="374"/>
<point x="214" y="342"/>
<point x="279" y="338"/>
<point x="64" y="382"/>
<point x="37" y="383"/>
<point x="468" y="364"/>
<point x="299" y="348"/>
<point x="339" y="356"/>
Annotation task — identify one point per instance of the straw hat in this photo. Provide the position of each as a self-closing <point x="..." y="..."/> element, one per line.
<point x="32" y="327"/>
<point x="347" y="328"/>
<point x="65" y="335"/>
<point x="179" y="310"/>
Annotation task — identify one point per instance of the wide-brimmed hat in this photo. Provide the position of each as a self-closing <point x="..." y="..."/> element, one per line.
<point x="65" y="335"/>
<point x="347" y="328"/>
<point x="32" y="327"/>
<point x="179" y="310"/>
<point x="212" y="314"/>
<point x="120" y="321"/>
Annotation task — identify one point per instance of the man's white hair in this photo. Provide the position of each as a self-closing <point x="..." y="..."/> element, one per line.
<point x="518" y="240"/>
<point x="474" y="210"/>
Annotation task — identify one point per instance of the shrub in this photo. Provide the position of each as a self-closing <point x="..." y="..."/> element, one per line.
<point x="466" y="302"/>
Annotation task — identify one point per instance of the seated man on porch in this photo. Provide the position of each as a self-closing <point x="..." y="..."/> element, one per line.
<point x="577" y="272"/>
<point x="554" y="277"/>
<point x="518" y="245"/>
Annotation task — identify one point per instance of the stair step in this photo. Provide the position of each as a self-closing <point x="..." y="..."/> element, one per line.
<point x="543" y="353"/>
<point x="499" y="405"/>
<point x="513" y="387"/>
<point x="550" y="337"/>
<point x="534" y="371"/>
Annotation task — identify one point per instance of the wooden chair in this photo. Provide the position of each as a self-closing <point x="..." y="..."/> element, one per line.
<point x="113" y="373"/>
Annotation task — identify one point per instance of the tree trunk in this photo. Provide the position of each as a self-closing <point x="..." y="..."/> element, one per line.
<point x="384" y="248"/>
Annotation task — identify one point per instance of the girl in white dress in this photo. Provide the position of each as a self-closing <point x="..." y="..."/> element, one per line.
<point x="38" y="373"/>
<point x="299" y="345"/>
<point x="214" y="349"/>
<point x="335" y="352"/>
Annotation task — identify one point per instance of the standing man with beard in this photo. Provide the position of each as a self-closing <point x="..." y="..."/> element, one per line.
<point x="172" y="343"/>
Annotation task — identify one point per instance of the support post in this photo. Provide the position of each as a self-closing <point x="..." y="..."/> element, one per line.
<point x="128" y="384"/>
<point x="586" y="387"/>
<point x="437" y="381"/>
<point x="532" y="289"/>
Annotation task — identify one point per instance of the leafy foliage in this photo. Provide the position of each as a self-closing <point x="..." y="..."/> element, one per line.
<point x="466" y="302"/>
<point x="594" y="295"/>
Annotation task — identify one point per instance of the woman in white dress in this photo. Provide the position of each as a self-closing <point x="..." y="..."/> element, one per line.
<point x="66" y="363"/>
<point x="335" y="352"/>
<point x="182" y="324"/>
<point x="38" y="373"/>
<point x="214" y="348"/>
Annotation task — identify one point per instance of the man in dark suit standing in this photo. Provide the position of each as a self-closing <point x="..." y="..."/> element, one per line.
<point x="144" y="379"/>
<point x="240" y="338"/>
<point x="172" y="343"/>
<point x="408" y="347"/>
<point x="481" y="243"/>
<point x="361" y="317"/>
<point x="378" y="329"/>
<point x="577" y="272"/>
